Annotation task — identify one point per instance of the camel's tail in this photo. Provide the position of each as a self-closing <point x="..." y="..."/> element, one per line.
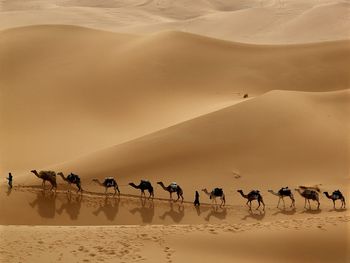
<point x="316" y="188"/>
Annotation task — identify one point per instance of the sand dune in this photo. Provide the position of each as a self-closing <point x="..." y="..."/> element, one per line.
<point x="77" y="90"/>
<point x="253" y="21"/>
<point x="257" y="139"/>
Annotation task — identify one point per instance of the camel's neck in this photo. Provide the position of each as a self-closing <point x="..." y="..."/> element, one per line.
<point x="206" y="192"/>
<point x="242" y="194"/>
<point x="163" y="186"/>
<point x="36" y="174"/>
<point x="134" y="185"/>
<point x="299" y="191"/>
<point x="327" y="195"/>
<point x="98" y="182"/>
<point x="62" y="175"/>
<point x="274" y="193"/>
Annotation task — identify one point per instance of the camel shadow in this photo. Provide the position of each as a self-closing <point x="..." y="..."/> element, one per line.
<point x="110" y="208"/>
<point x="176" y="216"/>
<point x="217" y="213"/>
<point x="71" y="206"/>
<point x="146" y="212"/>
<point x="258" y="215"/>
<point x="311" y="211"/>
<point x="46" y="203"/>
<point x="285" y="212"/>
<point x="338" y="210"/>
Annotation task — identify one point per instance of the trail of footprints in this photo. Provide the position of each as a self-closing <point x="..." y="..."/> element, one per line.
<point x="123" y="243"/>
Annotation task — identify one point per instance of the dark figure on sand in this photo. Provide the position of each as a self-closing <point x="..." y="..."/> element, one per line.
<point x="196" y="199"/>
<point x="10" y="180"/>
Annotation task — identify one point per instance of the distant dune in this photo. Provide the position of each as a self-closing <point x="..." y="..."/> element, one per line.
<point x="250" y="21"/>
<point x="77" y="90"/>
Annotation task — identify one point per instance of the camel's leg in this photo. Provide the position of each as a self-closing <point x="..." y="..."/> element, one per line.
<point x="247" y="203"/>
<point x="262" y="201"/>
<point x="284" y="204"/>
<point x="293" y="201"/>
<point x="258" y="204"/>
<point x="178" y="197"/>
<point x="318" y="204"/>
<point x="250" y="205"/>
<point x="305" y="203"/>
<point x="182" y="198"/>
<point x="279" y="200"/>
<point x="308" y="200"/>
<point x="106" y="188"/>
<point x="118" y="190"/>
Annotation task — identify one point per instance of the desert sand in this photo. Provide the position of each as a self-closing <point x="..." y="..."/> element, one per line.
<point x="155" y="90"/>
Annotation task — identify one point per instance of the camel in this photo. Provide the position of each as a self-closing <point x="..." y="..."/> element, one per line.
<point x="144" y="185"/>
<point x="284" y="192"/>
<point x="336" y="195"/>
<point x="107" y="183"/>
<point x="46" y="176"/>
<point x="216" y="192"/>
<point x="309" y="193"/>
<point x="253" y="195"/>
<point x="72" y="179"/>
<point x="172" y="188"/>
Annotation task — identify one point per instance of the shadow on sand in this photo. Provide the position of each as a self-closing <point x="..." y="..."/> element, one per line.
<point x="217" y="212"/>
<point x="287" y="212"/>
<point x="146" y="210"/>
<point x="257" y="215"/>
<point x="175" y="215"/>
<point x="46" y="204"/>
<point x="338" y="210"/>
<point x="71" y="206"/>
<point x="109" y="207"/>
<point x="311" y="211"/>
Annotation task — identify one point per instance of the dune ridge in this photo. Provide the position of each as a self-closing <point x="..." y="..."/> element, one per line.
<point x="254" y="21"/>
<point x="79" y="82"/>
<point x="225" y="142"/>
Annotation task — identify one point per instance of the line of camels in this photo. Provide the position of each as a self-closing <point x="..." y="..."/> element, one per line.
<point x="308" y="193"/>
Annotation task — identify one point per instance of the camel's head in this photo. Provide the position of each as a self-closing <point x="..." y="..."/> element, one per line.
<point x="131" y="184"/>
<point x="240" y="191"/>
<point x="325" y="193"/>
<point x="94" y="180"/>
<point x="59" y="173"/>
<point x="33" y="171"/>
<point x="270" y="191"/>
<point x="204" y="190"/>
<point x="159" y="183"/>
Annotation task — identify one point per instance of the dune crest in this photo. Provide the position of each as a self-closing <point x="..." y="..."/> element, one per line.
<point x="76" y="82"/>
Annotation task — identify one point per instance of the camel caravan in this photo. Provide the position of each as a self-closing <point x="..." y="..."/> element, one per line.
<point x="308" y="193"/>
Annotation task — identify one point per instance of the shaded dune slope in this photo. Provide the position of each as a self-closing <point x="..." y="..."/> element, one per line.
<point x="280" y="138"/>
<point x="76" y="90"/>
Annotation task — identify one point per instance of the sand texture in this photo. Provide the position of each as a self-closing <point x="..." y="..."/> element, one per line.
<point x="235" y="94"/>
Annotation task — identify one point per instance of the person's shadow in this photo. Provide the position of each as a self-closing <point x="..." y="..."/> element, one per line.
<point x="198" y="210"/>
<point x="110" y="208"/>
<point x="72" y="206"/>
<point x="46" y="203"/>
<point x="176" y="216"/>
<point x="9" y="191"/>
<point x="258" y="215"/>
<point x="285" y="212"/>
<point x="146" y="212"/>
<point x="217" y="213"/>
